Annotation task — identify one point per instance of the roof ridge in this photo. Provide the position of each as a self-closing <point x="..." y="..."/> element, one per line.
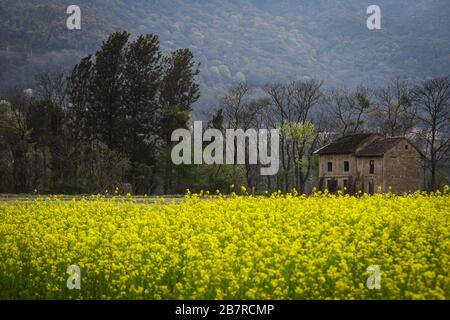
<point x="345" y="144"/>
<point x="387" y="139"/>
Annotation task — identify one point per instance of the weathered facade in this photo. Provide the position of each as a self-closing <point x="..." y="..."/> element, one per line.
<point x="370" y="163"/>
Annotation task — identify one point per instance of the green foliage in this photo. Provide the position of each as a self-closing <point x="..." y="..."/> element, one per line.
<point x="265" y="41"/>
<point x="298" y="132"/>
<point x="177" y="87"/>
<point x="107" y="125"/>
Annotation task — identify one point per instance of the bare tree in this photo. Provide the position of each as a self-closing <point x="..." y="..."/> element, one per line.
<point x="292" y="104"/>
<point x="393" y="112"/>
<point x="432" y="98"/>
<point x="53" y="87"/>
<point x="279" y="95"/>
<point x="281" y="113"/>
<point x="240" y="109"/>
<point x="303" y="95"/>
<point x="240" y="112"/>
<point x="350" y="109"/>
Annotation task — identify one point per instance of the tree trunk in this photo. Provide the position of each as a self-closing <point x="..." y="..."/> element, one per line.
<point x="433" y="174"/>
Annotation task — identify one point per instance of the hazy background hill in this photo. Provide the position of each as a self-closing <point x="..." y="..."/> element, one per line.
<point x="257" y="40"/>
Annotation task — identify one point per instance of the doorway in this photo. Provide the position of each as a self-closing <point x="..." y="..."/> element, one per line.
<point x="371" y="187"/>
<point x="332" y="185"/>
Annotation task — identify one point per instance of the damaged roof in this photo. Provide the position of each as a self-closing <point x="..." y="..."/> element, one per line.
<point x="344" y="145"/>
<point x="379" y="147"/>
<point x="349" y="145"/>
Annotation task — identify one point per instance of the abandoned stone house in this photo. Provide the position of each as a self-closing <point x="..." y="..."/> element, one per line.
<point x="370" y="163"/>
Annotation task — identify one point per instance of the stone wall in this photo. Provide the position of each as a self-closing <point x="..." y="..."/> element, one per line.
<point x="365" y="178"/>
<point x="399" y="170"/>
<point x="403" y="168"/>
<point x="338" y="172"/>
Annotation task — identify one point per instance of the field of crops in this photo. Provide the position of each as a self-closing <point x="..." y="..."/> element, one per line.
<point x="239" y="247"/>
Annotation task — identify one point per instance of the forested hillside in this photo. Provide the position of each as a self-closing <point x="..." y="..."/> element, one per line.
<point x="259" y="41"/>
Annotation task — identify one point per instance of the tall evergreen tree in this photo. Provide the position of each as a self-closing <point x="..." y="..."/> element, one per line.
<point x="105" y="112"/>
<point x="179" y="87"/>
<point x="79" y="87"/>
<point x="179" y="90"/>
<point x="142" y="75"/>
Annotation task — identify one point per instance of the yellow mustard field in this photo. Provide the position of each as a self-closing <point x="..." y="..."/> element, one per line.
<point x="239" y="247"/>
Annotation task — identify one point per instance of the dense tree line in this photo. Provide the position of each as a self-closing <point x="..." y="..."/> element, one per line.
<point x="104" y="125"/>
<point x="108" y="124"/>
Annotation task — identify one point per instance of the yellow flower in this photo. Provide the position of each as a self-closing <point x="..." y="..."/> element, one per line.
<point x="272" y="246"/>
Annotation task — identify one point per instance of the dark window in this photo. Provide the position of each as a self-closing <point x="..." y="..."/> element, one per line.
<point x="346" y="183"/>
<point x="346" y="166"/>
<point x="406" y="147"/>
<point x="332" y="185"/>
<point x="372" y="166"/>
<point x="330" y="166"/>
